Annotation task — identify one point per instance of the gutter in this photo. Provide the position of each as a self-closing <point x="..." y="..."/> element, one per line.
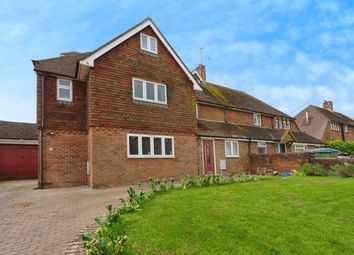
<point x="41" y="136"/>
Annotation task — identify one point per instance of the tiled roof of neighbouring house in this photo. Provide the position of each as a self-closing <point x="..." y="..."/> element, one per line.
<point x="216" y="94"/>
<point x="335" y="116"/>
<point x="18" y="130"/>
<point x="221" y="129"/>
<point x="65" y="65"/>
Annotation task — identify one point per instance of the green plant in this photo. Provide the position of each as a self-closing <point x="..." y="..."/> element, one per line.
<point x="172" y="181"/>
<point x="294" y="172"/>
<point x="344" y="170"/>
<point x="347" y="147"/>
<point x="163" y="185"/>
<point x="316" y="169"/>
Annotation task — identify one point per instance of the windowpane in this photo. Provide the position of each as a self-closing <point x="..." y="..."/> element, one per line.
<point x="262" y="148"/>
<point x="144" y="42"/>
<point x="64" y="93"/>
<point x="138" y="89"/>
<point x="228" y="148"/>
<point x="157" y="146"/>
<point x="168" y="146"/>
<point x="146" y="145"/>
<point x="153" y="44"/>
<point x="133" y="145"/>
<point x="150" y="91"/>
<point x="161" y="93"/>
<point x="64" y="83"/>
<point x="234" y="148"/>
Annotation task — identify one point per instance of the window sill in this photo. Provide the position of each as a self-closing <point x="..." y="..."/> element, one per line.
<point x="237" y="156"/>
<point x="66" y="102"/>
<point x="152" y="54"/>
<point x="141" y="102"/>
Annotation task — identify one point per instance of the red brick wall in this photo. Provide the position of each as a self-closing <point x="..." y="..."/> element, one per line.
<point x="63" y="115"/>
<point x="349" y="136"/>
<point x="64" y="158"/>
<point x="110" y="90"/>
<point x="332" y="134"/>
<point x="109" y="165"/>
<point x="233" y="165"/>
<point x="208" y="112"/>
<point x="279" y="162"/>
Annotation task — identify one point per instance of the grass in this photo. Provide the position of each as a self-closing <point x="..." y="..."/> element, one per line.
<point x="296" y="215"/>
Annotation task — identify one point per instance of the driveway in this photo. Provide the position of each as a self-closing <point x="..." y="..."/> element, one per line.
<point x="45" y="221"/>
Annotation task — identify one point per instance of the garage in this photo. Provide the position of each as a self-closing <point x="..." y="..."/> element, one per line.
<point x="18" y="151"/>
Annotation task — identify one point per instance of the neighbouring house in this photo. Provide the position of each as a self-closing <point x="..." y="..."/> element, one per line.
<point x="18" y="150"/>
<point x="233" y="124"/>
<point x="325" y="123"/>
<point x="131" y="109"/>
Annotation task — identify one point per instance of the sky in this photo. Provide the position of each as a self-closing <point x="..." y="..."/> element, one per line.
<point x="287" y="53"/>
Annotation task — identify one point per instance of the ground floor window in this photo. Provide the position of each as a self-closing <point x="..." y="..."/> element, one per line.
<point x="262" y="147"/>
<point x="299" y="147"/>
<point x="281" y="148"/>
<point x="150" y="146"/>
<point x="231" y="148"/>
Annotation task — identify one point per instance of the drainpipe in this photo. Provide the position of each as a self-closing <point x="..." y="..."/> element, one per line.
<point x="342" y="130"/>
<point x="41" y="137"/>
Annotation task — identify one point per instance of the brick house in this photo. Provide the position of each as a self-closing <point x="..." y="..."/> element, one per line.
<point x="233" y="124"/>
<point x="326" y="124"/>
<point x="131" y="109"/>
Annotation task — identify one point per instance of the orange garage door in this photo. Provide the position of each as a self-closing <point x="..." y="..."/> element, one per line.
<point x="18" y="162"/>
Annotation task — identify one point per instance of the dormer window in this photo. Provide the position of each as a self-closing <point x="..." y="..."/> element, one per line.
<point x="257" y="119"/>
<point x="148" y="43"/>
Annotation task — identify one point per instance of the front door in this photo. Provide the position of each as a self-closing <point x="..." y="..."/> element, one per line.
<point x="208" y="156"/>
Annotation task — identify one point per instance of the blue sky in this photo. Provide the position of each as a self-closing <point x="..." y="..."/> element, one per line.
<point x="287" y="53"/>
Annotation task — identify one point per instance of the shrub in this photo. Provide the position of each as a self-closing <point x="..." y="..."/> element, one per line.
<point x="347" y="147"/>
<point x="344" y="170"/>
<point x="313" y="170"/>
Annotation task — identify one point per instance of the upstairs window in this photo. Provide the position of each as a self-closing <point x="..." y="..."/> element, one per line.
<point x="231" y="149"/>
<point x="150" y="146"/>
<point x="148" y="43"/>
<point x="334" y="126"/>
<point x="149" y="91"/>
<point x="262" y="147"/>
<point x="257" y="119"/>
<point x="64" y="90"/>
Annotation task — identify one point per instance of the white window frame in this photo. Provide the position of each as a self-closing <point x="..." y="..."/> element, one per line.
<point x="255" y="119"/>
<point x="346" y="129"/>
<point x="148" y="43"/>
<point x="297" y="145"/>
<point x="59" y="86"/>
<point x="140" y="148"/>
<point x="278" y="148"/>
<point x="145" y="99"/>
<point x="232" y="155"/>
<point x="262" y="145"/>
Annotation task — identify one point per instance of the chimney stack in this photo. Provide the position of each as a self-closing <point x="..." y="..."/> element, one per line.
<point x="328" y="105"/>
<point x="201" y="71"/>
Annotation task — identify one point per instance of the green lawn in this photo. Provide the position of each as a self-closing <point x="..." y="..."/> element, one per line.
<point x="296" y="215"/>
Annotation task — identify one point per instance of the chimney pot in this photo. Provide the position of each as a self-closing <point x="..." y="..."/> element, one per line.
<point x="328" y="105"/>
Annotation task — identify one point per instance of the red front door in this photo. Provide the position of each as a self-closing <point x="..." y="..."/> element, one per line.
<point x="208" y="156"/>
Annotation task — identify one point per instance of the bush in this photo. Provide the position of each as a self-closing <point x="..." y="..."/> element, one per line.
<point x="313" y="170"/>
<point x="344" y="170"/>
<point x="347" y="147"/>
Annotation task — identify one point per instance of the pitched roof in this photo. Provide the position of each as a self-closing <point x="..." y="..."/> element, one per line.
<point x="18" y="130"/>
<point x="222" y="129"/>
<point x="216" y="94"/>
<point x="68" y="65"/>
<point x="65" y="65"/>
<point x="335" y="116"/>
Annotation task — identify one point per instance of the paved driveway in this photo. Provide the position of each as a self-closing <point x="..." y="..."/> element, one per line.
<point x="45" y="221"/>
